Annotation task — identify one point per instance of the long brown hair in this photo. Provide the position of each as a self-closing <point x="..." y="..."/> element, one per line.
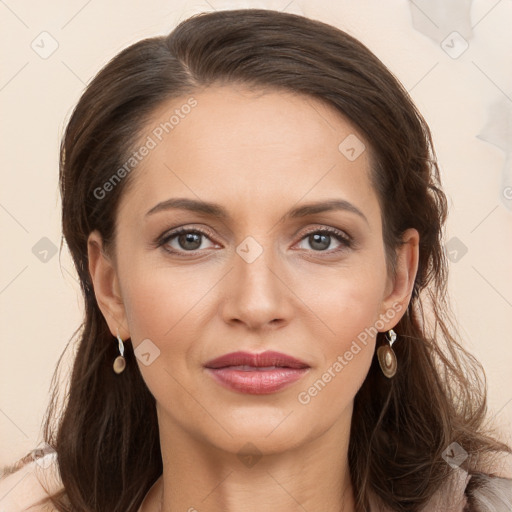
<point x="106" y="430"/>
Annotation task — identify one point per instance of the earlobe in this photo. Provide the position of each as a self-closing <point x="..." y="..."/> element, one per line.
<point x="106" y="285"/>
<point x="403" y="282"/>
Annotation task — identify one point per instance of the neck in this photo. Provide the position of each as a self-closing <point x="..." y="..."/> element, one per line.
<point x="158" y="501"/>
<point x="200" y="477"/>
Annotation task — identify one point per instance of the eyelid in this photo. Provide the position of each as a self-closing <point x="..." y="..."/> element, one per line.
<point x="331" y="230"/>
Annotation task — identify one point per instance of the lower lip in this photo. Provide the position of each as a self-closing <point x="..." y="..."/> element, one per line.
<point x="257" y="382"/>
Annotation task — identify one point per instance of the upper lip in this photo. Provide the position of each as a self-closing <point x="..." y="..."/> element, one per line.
<point x="268" y="358"/>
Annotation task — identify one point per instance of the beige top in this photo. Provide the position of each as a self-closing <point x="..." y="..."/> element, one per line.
<point x="21" y="489"/>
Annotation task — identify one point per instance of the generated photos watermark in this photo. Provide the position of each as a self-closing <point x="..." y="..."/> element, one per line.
<point x="157" y="135"/>
<point x="304" y="397"/>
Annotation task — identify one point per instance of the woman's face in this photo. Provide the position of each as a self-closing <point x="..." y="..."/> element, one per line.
<point x="258" y="272"/>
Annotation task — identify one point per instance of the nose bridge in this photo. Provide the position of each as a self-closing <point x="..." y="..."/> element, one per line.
<point x="253" y="265"/>
<point x="257" y="294"/>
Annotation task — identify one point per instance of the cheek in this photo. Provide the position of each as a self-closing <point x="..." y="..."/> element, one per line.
<point x="351" y="304"/>
<point x="159" y="305"/>
<point x="159" y="301"/>
<point x="353" y="320"/>
<point x="350" y="311"/>
<point x="170" y="308"/>
<point x="346" y="356"/>
<point x="356" y="311"/>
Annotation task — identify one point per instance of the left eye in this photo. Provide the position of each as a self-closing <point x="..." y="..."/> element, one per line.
<point x="321" y="239"/>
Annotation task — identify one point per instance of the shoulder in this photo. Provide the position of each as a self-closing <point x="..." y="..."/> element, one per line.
<point x="487" y="491"/>
<point x="22" y="489"/>
<point x="492" y="490"/>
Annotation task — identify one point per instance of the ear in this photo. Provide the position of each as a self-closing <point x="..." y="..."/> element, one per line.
<point x="399" y="287"/>
<point x="106" y="286"/>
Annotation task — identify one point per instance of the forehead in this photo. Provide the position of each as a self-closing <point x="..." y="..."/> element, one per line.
<point x="249" y="147"/>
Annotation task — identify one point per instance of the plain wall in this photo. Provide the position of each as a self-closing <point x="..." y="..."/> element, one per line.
<point x="39" y="297"/>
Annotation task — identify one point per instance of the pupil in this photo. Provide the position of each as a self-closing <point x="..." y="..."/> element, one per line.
<point x="193" y="238"/>
<point x="322" y="239"/>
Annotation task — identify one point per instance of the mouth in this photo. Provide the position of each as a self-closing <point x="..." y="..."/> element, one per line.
<point x="248" y="368"/>
<point x="258" y="374"/>
<point x="245" y="361"/>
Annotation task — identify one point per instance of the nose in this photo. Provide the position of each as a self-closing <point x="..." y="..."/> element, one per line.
<point x="256" y="294"/>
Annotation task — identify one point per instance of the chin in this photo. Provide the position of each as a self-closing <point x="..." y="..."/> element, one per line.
<point x="266" y="434"/>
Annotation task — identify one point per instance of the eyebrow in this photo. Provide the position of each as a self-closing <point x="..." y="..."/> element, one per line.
<point x="215" y="210"/>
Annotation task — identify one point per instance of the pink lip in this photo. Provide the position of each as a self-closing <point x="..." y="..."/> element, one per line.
<point x="250" y="373"/>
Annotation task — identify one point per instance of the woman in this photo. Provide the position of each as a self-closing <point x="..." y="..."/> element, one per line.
<point x="283" y="360"/>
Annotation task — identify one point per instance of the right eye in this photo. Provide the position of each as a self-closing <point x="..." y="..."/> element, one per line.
<point x="185" y="240"/>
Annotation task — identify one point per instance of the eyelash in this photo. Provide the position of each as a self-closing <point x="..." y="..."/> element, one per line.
<point x="345" y="240"/>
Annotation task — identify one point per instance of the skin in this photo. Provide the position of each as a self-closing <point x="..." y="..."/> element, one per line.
<point x="258" y="155"/>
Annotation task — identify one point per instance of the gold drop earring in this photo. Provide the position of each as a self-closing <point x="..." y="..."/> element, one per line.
<point x="120" y="361"/>
<point x="386" y="356"/>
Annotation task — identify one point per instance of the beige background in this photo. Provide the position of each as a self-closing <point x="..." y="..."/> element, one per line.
<point x="40" y="301"/>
